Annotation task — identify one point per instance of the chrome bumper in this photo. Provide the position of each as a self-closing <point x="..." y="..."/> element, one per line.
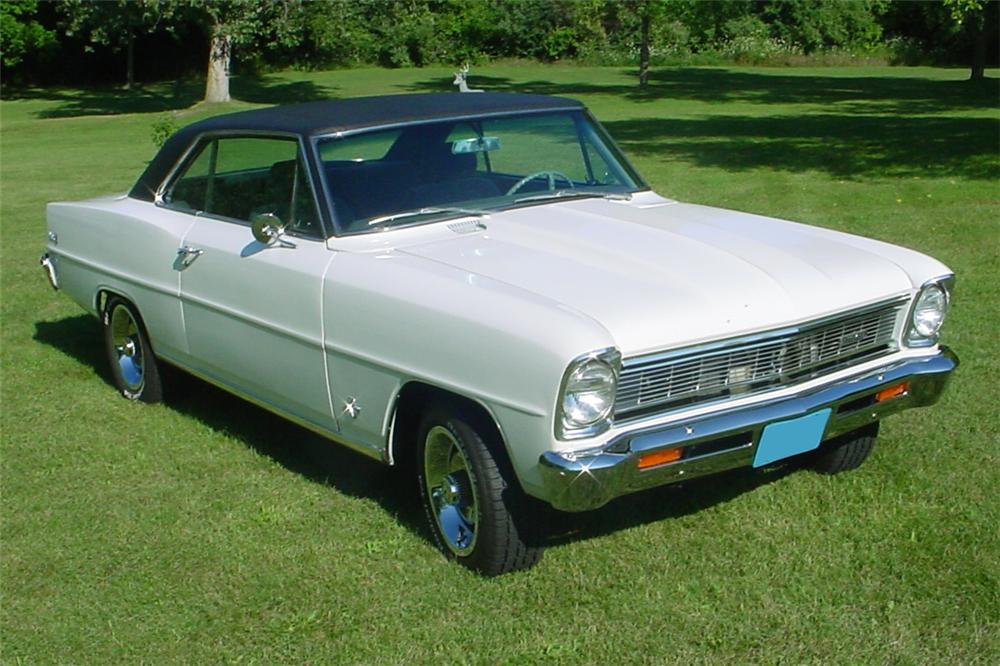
<point x="726" y="440"/>
<point x="50" y="270"/>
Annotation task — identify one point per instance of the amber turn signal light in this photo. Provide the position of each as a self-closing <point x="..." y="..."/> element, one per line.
<point x="660" y="457"/>
<point x="892" y="392"/>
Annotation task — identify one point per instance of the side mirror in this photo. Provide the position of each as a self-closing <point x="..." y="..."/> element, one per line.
<point x="266" y="228"/>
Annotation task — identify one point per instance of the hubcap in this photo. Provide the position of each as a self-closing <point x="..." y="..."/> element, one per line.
<point x="125" y="339"/>
<point x="450" y="487"/>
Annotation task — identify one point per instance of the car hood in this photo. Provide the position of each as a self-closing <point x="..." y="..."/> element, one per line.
<point x="657" y="273"/>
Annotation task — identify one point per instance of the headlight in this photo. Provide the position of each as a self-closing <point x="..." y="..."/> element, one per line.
<point x="588" y="395"/>
<point x="928" y="313"/>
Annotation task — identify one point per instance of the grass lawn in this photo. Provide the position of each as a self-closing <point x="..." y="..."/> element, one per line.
<point x="205" y="530"/>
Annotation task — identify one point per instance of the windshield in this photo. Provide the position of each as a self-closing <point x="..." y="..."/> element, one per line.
<point x="427" y="172"/>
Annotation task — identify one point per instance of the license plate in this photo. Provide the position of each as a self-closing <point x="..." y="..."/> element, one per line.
<point x="789" y="438"/>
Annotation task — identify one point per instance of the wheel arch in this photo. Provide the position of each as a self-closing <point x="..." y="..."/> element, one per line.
<point x="102" y="295"/>
<point x="105" y="293"/>
<point x="409" y="405"/>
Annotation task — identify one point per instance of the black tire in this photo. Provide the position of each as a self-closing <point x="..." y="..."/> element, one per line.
<point x="133" y="365"/>
<point x="845" y="452"/>
<point x="475" y="508"/>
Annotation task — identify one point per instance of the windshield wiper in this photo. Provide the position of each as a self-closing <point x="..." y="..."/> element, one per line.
<point x="434" y="210"/>
<point x="565" y="194"/>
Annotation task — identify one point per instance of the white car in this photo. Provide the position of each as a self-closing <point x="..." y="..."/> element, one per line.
<point x="483" y="287"/>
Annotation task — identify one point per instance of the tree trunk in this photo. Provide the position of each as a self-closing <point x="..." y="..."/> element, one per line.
<point x="978" y="49"/>
<point x="644" y="51"/>
<point x="217" y="82"/>
<point x="130" y="62"/>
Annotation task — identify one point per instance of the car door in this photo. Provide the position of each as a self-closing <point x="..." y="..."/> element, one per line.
<point x="252" y="310"/>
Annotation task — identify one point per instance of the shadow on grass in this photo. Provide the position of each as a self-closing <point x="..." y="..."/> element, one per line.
<point x="167" y="96"/>
<point x="845" y="146"/>
<point x="150" y="98"/>
<point x="879" y="94"/>
<point x="864" y="126"/>
<point x="322" y="461"/>
<point x="264" y="89"/>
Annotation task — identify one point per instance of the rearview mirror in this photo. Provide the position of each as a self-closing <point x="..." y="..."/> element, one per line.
<point x="483" y="144"/>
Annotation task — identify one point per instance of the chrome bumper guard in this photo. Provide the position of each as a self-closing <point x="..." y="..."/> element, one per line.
<point x="727" y="440"/>
<point x="50" y="270"/>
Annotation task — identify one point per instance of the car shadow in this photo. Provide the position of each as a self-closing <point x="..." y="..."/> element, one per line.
<point x="324" y="462"/>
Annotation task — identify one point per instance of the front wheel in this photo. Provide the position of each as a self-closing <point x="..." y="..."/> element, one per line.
<point x="474" y="506"/>
<point x="133" y="365"/>
<point x="845" y="452"/>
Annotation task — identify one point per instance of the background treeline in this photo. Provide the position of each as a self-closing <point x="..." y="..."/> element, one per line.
<point x="82" y="41"/>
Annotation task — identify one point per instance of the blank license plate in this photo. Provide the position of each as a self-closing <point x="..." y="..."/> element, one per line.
<point x="789" y="438"/>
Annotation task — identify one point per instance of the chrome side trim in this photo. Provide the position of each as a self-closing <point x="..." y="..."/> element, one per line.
<point x="118" y="275"/>
<point x="580" y="481"/>
<point x="302" y="338"/>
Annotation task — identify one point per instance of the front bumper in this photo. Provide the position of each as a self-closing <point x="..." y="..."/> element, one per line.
<point x="728" y="439"/>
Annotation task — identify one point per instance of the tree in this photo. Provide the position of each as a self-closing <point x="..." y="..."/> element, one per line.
<point x="115" y="24"/>
<point x="20" y="33"/>
<point x="249" y="24"/>
<point x="817" y="24"/>
<point x="644" y="13"/>
<point x="971" y="15"/>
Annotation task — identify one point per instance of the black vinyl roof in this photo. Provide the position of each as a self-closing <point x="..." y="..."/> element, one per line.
<point x="338" y="115"/>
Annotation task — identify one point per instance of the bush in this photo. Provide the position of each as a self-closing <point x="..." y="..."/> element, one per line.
<point x="162" y="128"/>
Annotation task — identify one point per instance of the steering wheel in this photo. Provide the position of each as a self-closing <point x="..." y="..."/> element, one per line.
<point x="550" y="175"/>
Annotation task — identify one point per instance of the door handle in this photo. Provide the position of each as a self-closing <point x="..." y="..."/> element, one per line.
<point x="187" y="254"/>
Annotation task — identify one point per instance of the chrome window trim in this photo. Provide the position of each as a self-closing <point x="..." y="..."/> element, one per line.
<point x="315" y="139"/>
<point x="339" y="134"/>
<point x="192" y="150"/>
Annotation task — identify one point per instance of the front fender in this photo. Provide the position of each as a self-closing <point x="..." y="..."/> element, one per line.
<point x="393" y="318"/>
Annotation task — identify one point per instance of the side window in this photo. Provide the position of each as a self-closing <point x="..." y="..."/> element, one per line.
<point x="241" y="177"/>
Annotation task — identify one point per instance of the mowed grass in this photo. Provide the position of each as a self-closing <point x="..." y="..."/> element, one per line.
<point x="205" y="530"/>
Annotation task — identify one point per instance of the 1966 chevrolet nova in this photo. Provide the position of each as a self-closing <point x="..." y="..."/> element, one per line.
<point x="481" y="286"/>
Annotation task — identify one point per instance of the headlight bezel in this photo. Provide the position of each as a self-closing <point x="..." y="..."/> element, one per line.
<point x="911" y="336"/>
<point x="565" y="428"/>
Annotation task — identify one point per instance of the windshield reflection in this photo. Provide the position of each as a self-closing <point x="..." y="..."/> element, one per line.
<point x="422" y="173"/>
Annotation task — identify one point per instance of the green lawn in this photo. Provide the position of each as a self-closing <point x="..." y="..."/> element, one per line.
<point x="206" y="530"/>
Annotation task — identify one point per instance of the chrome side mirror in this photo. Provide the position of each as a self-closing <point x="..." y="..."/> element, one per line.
<point x="267" y="229"/>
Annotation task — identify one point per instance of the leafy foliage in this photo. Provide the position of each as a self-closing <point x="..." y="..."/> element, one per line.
<point x="162" y="128"/>
<point x="272" y="34"/>
<point x="20" y="32"/>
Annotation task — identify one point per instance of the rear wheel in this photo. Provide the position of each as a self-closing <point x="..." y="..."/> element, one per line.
<point x="133" y="365"/>
<point x="845" y="452"/>
<point x="474" y="506"/>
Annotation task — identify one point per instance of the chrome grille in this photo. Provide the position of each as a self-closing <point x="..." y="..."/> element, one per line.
<point x="745" y="365"/>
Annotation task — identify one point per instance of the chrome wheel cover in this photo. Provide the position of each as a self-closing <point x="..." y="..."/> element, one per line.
<point x="450" y="488"/>
<point x="125" y="338"/>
